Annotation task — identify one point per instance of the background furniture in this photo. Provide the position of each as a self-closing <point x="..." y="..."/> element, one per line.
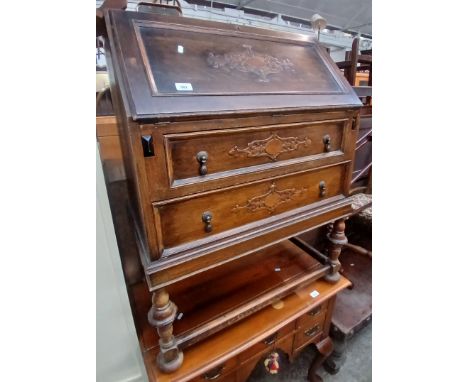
<point x="357" y="63"/>
<point x="354" y="307"/>
<point x="291" y="324"/>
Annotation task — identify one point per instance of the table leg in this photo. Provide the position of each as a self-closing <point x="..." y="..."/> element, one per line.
<point x="336" y="240"/>
<point x="161" y="316"/>
<point x="324" y="348"/>
<point x="336" y="360"/>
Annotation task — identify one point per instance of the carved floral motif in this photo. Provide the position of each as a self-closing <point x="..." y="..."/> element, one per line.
<point x="249" y="61"/>
<point x="271" y="147"/>
<point x="270" y="200"/>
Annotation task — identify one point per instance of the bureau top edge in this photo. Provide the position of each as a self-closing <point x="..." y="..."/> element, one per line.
<point x="175" y="66"/>
<point x="228" y="114"/>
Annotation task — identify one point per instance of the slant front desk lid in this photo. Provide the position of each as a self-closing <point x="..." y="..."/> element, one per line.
<point x="172" y="66"/>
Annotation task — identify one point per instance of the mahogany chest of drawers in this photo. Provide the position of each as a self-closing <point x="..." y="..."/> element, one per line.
<point x="232" y="354"/>
<point x="234" y="139"/>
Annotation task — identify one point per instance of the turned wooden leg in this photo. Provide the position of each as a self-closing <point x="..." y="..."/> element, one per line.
<point x="324" y="348"/>
<point x="336" y="240"/>
<point x="161" y="316"/>
<point x="336" y="360"/>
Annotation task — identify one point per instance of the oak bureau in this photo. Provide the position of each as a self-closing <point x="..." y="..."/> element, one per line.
<point x="234" y="139"/>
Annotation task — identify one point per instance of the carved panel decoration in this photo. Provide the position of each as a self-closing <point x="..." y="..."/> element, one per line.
<point x="270" y="200"/>
<point x="249" y="61"/>
<point x="271" y="147"/>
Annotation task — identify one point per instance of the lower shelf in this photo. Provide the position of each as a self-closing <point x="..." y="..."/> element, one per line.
<point x="213" y="300"/>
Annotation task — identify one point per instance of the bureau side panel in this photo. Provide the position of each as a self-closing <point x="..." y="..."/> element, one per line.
<point x="140" y="205"/>
<point x="349" y="144"/>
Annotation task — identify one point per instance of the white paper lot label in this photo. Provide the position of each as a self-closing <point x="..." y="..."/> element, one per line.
<point x="184" y="86"/>
<point x="314" y="294"/>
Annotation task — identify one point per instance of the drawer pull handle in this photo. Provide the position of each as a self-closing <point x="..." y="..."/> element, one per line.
<point x="148" y="148"/>
<point x="270" y="340"/>
<point x="315" y="312"/>
<point x="327" y="143"/>
<point x="312" y="331"/>
<point x="214" y="373"/>
<point x="202" y="158"/>
<point x="207" y="217"/>
<point x="322" y="188"/>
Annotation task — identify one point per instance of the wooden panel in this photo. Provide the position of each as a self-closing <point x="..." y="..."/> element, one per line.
<point x="194" y="259"/>
<point x="110" y="148"/>
<point x="312" y="317"/>
<point x="246" y="368"/>
<point x="286" y="345"/>
<point x="106" y="126"/>
<point x="111" y="157"/>
<point x="173" y="171"/>
<point x="222" y="376"/>
<point x="238" y="148"/>
<point x="211" y="62"/>
<point x="252" y="68"/>
<point x="308" y="334"/>
<point x="221" y="372"/>
<point x="244" y="372"/>
<point x="236" y="207"/>
<point x="204" y="297"/>
<point x="235" y="339"/>
<point x="268" y="343"/>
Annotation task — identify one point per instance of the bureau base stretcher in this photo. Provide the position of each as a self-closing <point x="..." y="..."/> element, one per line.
<point x="227" y="294"/>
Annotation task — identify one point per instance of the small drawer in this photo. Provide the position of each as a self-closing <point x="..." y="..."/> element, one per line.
<point x="204" y="155"/>
<point x="267" y="343"/>
<point x="209" y="214"/>
<point x="313" y="316"/>
<point x="285" y="344"/>
<point x="222" y="372"/>
<point x="308" y="334"/>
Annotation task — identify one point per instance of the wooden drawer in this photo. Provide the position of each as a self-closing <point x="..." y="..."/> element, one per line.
<point x="185" y="220"/>
<point x="315" y="315"/>
<point x="231" y="152"/>
<point x="217" y="374"/>
<point x="221" y="372"/>
<point x="267" y="344"/>
<point x="308" y="334"/>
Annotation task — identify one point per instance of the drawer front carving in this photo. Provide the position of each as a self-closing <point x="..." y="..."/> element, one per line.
<point x="201" y="216"/>
<point x="270" y="200"/>
<point x="271" y="147"/>
<point x="208" y="155"/>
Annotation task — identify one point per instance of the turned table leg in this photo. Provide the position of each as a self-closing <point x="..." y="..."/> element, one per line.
<point x="161" y="316"/>
<point x="337" y="239"/>
<point x="324" y="348"/>
<point x="333" y="363"/>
